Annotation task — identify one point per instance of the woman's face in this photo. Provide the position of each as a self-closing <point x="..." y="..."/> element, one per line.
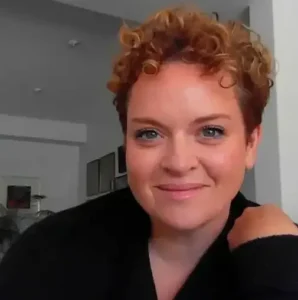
<point x="186" y="146"/>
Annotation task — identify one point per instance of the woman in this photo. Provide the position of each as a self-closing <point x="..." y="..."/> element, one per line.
<point x="190" y="93"/>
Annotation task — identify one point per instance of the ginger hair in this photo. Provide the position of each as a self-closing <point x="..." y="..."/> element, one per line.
<point x="196" y="38"/>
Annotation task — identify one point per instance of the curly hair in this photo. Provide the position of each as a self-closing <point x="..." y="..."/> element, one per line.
<point x="191" y="36"/>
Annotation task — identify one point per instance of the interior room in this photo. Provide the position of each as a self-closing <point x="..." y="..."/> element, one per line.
<point x="60" y="138"/>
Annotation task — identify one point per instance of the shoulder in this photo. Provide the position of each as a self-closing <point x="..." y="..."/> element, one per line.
<point x="101" y="212"/>
<point x="260" y="262"/>
<point x="97" y="224"/>
<point x="108" y="214"/>
<point x="87" y="239"/>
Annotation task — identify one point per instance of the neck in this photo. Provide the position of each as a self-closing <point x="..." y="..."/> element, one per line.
<point x="185" y="247"/>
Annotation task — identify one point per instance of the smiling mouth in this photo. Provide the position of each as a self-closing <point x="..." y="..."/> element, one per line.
<point x="180" y="192"/>
<point x="173" y="187"/>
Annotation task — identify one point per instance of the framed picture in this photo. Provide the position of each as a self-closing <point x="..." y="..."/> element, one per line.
<point x="120" y="183"/>
<point x="121" y="160"/>
<point x="16" y="193"/>
<point x="18" y="197"/>
<point x="107" y="172"/>
<point x="92" y="184"/>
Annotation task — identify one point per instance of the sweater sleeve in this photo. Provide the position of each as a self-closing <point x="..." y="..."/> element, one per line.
<point x="267" y="268"/>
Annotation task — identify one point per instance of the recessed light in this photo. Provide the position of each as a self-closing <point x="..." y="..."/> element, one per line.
<point x="73" y="43"/>
<point x="37" y="90"/>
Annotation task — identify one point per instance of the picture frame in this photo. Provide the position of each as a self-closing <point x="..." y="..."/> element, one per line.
<point x="14" y="193"/>
<point x="120" y="182"/>
<point x="121" y="160"/>
<point x="18" y="197"/>
<point x="107" y="172"/>
<point x="92" y="178"/>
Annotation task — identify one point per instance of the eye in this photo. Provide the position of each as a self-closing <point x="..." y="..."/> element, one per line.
<point x="212" y="132"/>
<point x="147" y="134"/>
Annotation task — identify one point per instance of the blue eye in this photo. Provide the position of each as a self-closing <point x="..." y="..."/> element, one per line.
<point x="147" y="134"/>
<point x="212" y="132"/>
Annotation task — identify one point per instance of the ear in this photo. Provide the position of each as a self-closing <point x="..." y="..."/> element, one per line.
<point x="253" y="141"/>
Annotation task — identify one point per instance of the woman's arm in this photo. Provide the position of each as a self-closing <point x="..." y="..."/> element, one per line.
<point x="264" y="245"/>
<point x="267" y="268"/>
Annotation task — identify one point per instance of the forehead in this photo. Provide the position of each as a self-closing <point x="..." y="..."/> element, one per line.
<point x="178" y="90"/>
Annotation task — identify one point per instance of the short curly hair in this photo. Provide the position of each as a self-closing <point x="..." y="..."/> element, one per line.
<point x="191" y="36"/>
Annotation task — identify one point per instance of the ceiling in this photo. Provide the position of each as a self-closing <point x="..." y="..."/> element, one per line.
<point x="138" y="10"/>
<point x="70" y="81"/>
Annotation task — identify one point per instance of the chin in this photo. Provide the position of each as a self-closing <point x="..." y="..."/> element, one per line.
<point x="186" y="222"/>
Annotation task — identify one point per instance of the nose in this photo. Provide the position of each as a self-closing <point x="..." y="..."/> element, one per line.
<point x="180" y="157"/>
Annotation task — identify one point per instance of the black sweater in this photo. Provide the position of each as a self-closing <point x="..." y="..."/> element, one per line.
<point x="99" y="251"/>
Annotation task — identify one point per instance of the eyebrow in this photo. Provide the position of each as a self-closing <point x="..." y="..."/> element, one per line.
<point x="211" y="117"/>
<point x="199" y="120"/>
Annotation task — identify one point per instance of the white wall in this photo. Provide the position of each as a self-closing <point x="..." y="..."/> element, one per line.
<point x="55" y="166"/>
<point x="42" y="129"/>
<point x="46" y="150"/>
<point x="276" y="169"/>
<point x="73" y="79"/>
<point x="285" y="49"/>
<point x="267" y="170"/>
<point x="101" y="139"/>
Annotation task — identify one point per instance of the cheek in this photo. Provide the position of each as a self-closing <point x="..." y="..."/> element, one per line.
<point x="227" y="164"/>
<point x="141" y="163"/>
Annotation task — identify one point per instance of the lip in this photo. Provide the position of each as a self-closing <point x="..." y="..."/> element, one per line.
<point x="180" y="191"/>
<point x="180" y="186"/>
